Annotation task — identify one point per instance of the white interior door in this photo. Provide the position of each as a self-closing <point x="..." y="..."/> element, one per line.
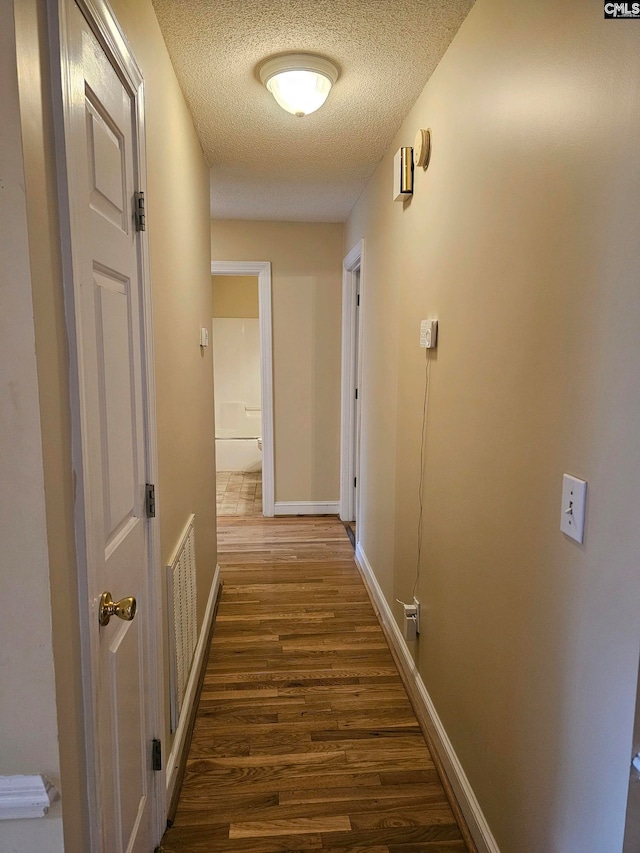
<point x="101" y="139"/>
<point x="355" y="439"/>
<point x="352" y="291"/>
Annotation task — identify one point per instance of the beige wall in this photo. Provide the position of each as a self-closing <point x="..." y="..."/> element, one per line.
<point x="178" y="180"/>
<point x="235" y="295"/>
<point x="522" y="240"/>
<point x="180" y="270"/>
<point x="306" y="270"/>
<point x="27" y="698"/>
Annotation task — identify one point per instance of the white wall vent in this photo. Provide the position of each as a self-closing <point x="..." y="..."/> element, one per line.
<point x="183" y="621"/>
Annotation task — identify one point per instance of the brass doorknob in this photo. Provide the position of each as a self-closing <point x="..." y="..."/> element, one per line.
<point x="123" y="609"/>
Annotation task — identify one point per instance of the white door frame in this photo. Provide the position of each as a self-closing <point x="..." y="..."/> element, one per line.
<point x="263" y="270"/>
<point x="351" y="359"/>
<point x="107" y="30"/>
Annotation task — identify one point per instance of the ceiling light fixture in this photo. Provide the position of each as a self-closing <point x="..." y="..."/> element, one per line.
<point x="300" y="82"/>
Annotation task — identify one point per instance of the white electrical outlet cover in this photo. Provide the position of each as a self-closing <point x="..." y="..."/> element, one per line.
<point x="409" y="628"/>
<point x="574" y="496"/>
<point x="424" y="326"/>
<point x="428" y="334"/>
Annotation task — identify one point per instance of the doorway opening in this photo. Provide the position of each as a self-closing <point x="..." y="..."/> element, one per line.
<point x="243" y="388"/>
<point x="352" y="306"/>
<point x="238" y="398"/>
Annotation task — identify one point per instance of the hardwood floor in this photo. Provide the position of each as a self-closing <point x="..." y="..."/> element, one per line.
<point x="305" y="739"/>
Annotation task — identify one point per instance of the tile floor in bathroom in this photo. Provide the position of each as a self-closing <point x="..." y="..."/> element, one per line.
<point x="238" y="493"/>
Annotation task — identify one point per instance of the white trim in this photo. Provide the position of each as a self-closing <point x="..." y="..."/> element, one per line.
<point x="157" y="620"/>
<point x="173" y="762"/>
<point x="351" y="360"/>
<point x="263" y="270"/>
<point x="476" y="821"/>
<point x="306" y="507"/>
<point x="107" y="30"/>
<point x="25" y="797"/>
<point x="180" y="542"/>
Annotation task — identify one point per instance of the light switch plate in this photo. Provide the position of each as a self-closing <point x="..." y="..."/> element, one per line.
<point x="574" y="495"/>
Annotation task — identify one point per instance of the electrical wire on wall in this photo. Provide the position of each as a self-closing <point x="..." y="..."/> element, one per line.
<point x="423" y="460"/>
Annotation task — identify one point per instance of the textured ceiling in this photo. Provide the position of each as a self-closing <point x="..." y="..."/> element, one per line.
<point x="266" y="163"/>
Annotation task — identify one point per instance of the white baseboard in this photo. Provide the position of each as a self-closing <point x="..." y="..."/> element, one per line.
<point x="307" y="507"/>
<point x="25" y="796"/>
<point x="476" y="821"/>
<point x="173" y="762"/>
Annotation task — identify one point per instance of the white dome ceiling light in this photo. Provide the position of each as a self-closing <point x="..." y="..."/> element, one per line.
<point x="300" y="82"/>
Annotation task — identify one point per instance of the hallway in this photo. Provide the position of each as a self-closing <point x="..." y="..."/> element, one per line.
<point x="304" y="737"/>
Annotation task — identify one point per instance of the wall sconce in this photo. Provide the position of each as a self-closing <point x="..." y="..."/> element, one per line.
<point x="422" y="148"/>
<point x="300" y="82"/>
<point x="403" y="174"/>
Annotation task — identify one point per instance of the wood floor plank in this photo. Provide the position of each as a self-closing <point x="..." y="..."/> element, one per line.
<point x="430" y="792"/>
<point x="408" y="745"/>
<point x="202" y="839"/>
<point x="305" y="738"/>
<point x="364" y="814"/>
<point x="277" y="777"/>
<point x="204" y="765"/>
<point x="427" y="847"/>
<point x="392" y="835"/>
<point x="424" y="815"/>
<point x="291" y="826"/>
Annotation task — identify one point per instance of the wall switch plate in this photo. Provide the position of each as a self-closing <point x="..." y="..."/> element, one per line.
<point x="204" y="337"/>
<point x="428" y="334"/>
<point x="574" y="496"/>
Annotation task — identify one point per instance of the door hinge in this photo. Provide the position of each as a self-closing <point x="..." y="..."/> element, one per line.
<point x="356" y="393"/>
<point x="150" y="500"/>
<point x="358" y="302"/>
<point x="138" y="211"/>
<point x="355" y="481"/>
<point x="156" y="754"/>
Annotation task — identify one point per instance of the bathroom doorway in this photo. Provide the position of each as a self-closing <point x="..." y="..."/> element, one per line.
<point x="241" y="339"/>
